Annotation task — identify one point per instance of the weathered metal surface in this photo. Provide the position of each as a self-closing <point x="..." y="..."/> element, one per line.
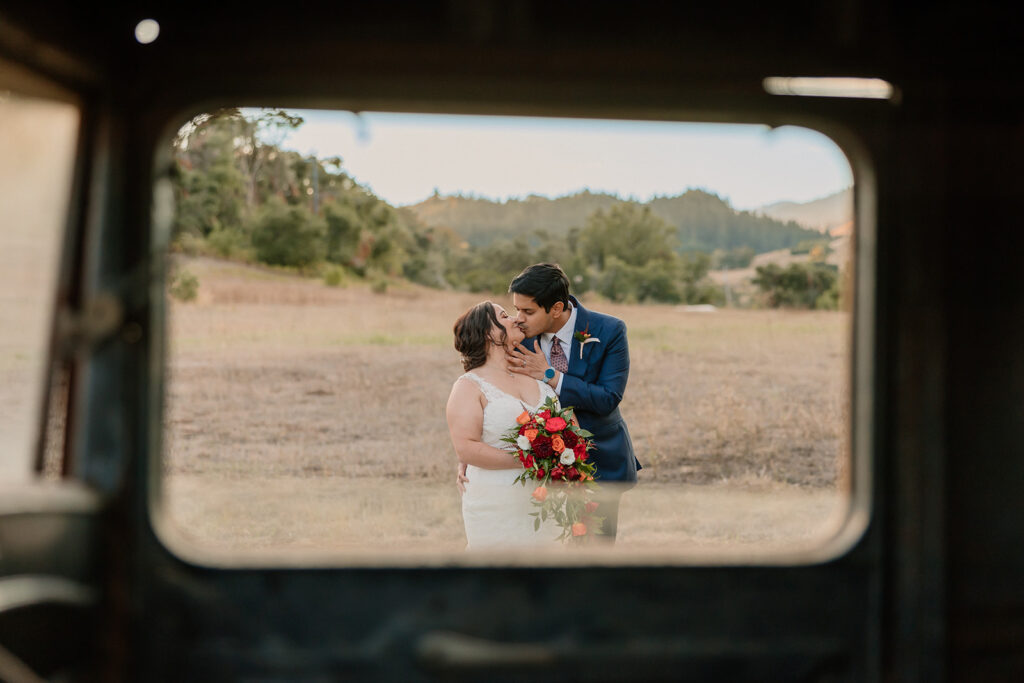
<point x="932" y="591"/>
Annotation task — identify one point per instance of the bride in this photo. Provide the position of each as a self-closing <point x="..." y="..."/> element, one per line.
<point x="482" y="407"/>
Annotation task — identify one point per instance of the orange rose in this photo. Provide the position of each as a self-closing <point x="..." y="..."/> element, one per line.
<point x="523" y="418"/>
<point x="557" y="445"/>
<point x="530" y="434"/>
<point x="579" y="529"/>
<point x="540" y="494"/>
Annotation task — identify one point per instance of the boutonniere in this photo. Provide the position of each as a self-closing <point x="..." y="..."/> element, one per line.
<point x="584" y="338"/>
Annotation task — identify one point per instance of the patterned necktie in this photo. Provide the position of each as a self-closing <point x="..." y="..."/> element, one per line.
<point x="558" y="360"/>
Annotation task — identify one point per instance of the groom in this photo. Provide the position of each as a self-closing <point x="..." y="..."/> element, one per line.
<point x="584" y="356"/>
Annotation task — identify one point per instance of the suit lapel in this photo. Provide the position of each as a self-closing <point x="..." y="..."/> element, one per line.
<point x="578" y="365"/>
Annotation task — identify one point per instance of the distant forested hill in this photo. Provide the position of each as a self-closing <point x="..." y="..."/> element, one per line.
<point x="703" y="221"/>
<point x="823" y="214"/>
<point x="482" y="221"/>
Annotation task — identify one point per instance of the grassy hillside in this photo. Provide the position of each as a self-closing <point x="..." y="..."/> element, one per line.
<point x="704" y="222"/>
<point x="823" y="214"/>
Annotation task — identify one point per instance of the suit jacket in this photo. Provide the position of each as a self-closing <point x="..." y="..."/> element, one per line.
<point x="594" y="386"/>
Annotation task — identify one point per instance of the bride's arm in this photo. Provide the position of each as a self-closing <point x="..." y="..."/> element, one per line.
<point x="465" y="425"/>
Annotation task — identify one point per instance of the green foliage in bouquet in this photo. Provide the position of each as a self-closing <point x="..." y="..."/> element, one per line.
<point x="553" y="450"/>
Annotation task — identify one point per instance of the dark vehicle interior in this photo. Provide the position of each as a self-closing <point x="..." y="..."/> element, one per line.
<point x="930" y="591"/>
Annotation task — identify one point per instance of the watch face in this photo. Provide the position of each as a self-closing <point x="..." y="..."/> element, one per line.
<point x="550" y="373"/>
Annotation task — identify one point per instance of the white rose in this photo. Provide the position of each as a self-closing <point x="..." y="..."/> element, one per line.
<point x="523" y="442"/>
<point x="567" y="457"/>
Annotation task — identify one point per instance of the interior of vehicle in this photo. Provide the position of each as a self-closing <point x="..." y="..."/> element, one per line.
<point x="921" y="580"/>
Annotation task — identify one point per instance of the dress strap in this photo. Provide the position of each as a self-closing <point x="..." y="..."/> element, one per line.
<point x="490" y="392"/>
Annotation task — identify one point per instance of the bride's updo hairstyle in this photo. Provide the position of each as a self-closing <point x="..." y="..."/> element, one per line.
<point x="473" y="334"/>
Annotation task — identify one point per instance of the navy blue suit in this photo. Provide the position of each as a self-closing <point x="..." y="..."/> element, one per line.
<point x="594" y="386"/>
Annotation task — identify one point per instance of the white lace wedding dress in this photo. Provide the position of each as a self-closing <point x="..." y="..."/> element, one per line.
<point x="495" y="509"/>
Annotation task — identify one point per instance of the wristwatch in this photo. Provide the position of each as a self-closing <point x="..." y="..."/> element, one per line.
<point x="549" y="374"/>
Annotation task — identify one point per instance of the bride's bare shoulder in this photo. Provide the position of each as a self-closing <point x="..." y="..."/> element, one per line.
<point x="465" y="387"/>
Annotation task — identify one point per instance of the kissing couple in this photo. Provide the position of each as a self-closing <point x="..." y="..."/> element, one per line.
<point x="551" y="348"/>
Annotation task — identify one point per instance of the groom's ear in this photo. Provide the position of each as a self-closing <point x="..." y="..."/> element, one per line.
<point x="557" y="308"/>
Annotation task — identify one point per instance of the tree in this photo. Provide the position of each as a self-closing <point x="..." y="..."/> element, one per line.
<point x="260" y="137"/>
<point x="343" y="227"/>
<point x="287" y="236"/>
<point x="630" y="232"/>
<point x="697" y="287"/>
<point x="208" y="187"/>
<point x="801" y="285"/>
<point x="739" y="257"/>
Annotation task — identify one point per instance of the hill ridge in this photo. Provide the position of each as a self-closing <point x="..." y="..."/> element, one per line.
<point x="703" y="220"/>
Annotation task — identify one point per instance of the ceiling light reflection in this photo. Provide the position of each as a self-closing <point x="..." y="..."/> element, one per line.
<point x="146" y="31"/>
<point x="863" y="88"/>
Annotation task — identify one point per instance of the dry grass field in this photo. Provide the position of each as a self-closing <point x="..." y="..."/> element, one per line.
<point x="301" y="416"/>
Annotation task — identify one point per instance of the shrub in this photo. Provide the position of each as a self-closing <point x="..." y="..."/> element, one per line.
<point x="807" y="246"/>
<point x="184" y="286"/>
<point x="343" y="228"/>
<point x="287" y="236"/>
<point x="227" y="243"/>
<point x="189" y="244"/>
<point x="798" y="286"/>
<point x="829" y="299"/>
<point x="617" y="281"/>
<point x="334" y="276"/>
<point x="378" y="283"/>
<point x="704" y="292"/>
<point x="740" y="257"/>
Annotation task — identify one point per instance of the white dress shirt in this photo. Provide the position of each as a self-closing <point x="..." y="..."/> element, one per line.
<point x="565" y="337"/>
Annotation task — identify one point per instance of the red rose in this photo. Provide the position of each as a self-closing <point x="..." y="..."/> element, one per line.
<point x="573" y="474"/>
<point x="581" y="452"/>
<point x="540" y="473"/>
<point x="558" y="473"/>
<point x="528" y="461"/>
<point x="544" y="414"/>
<point x="591" y="506"/>
<point x="555" y="424"/>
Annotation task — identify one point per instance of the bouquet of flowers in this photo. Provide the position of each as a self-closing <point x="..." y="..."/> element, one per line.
<point x="552" y="448"/>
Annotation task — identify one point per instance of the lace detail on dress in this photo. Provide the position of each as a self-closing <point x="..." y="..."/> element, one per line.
<point x="503" y="408"/>
<point x="495" y="509"/>
<point x="490" y="392"/>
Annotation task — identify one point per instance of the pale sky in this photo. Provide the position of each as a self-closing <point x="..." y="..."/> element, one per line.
<point x="402" y="158"/>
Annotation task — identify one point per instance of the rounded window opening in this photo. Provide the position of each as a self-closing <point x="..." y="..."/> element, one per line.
<point x="319" y="261"/>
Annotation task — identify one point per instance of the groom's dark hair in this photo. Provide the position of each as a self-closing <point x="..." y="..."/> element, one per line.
<point x="545" y="283"/>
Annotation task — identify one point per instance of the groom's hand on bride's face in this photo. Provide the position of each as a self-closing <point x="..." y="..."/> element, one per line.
<point x="526" y="362"/>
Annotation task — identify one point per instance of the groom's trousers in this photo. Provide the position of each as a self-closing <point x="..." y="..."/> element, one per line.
<point x="608" y="498"/>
